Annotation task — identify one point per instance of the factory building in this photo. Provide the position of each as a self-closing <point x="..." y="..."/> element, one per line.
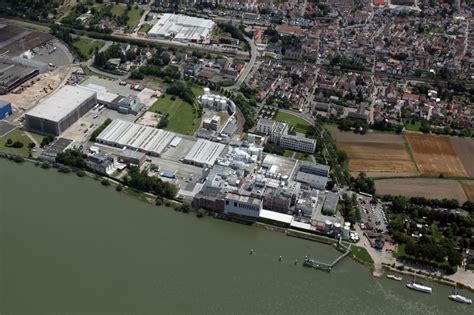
<point x="204" y="153"/>
<point x="5" y="109"/>
<point x="278" y="133"/>
<point x="330" y="203"/>
<point x="142" y="138"/>
<point x="13" y="74"/>
<point x="298" y="143"/>
<point x="242" y="205"/>
<point x="60" y="110"/>
<point x="123" y="104"/>
<point x="182" y="28"/>
<point x="265" y="126"/>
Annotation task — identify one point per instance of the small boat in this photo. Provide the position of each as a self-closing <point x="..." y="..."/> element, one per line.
<point x="456" y="297"/>
<point x="418" y="287"/>
<point x="394" y="277"/>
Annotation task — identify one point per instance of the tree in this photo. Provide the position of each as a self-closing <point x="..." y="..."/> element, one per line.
<point x="363" y="184"/>
<point x="163" y="122"/>
<point x="136" y="75"/>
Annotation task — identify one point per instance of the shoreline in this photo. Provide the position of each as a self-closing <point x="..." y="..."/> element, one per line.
<point x="142" y="196"/>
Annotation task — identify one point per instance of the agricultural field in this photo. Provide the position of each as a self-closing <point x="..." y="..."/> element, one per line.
<point x="377" y="159"/>
<point x="435" y="155"/>
<point x="377" y="154"/>
<point x="433" y="188"/>
<point x="468" y="186"/>
<point x="299" y="124"/>
<point x="464" y="148"/>
<point x="182" y="118"/>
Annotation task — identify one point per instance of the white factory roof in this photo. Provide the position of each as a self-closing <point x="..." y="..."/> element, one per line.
<point x="182" y="27"/>
<point x="102" y="94"/>
<point x="276" y="216"/>
<point x="204" y="152"/>
<point x="301" y="225"/>
<point x="62" y="103"/>
<point x="143" y="138"/>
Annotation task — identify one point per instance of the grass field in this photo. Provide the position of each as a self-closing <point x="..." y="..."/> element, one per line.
<point x="181" y="116"/>
<point x="413" y="127"/>
<point x="144" y="28"/>
<point x="362" y="254"/>
<point x="134" y="16"/>
<point x="87" y="47"/>
<point x="299" y="124"/>
<point x="435" y="155"/>
<point x="16" y="135"/>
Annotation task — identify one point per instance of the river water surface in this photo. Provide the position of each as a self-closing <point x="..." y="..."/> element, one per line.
<point x="70" y="245"/>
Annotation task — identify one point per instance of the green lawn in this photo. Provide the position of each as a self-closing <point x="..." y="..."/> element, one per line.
<point x="413" y="127"/>
<point x="144" y="28"/>
<point x="134" y="16"/>
<point x="299" y="124"/>
<point x="297" y="155"/>
<point x="36" y="136"/>
<point x="197" y="90"/>
<point x="181" y="116"/>
<point x="16" y="135"/>
<point x="87" y="47"/>
<point x="400" y="252"/>
<point x="289" y="153"/>
<point x="303" y="156"/>
<point x="118" y="9"/>
<point x="362" y="254"/>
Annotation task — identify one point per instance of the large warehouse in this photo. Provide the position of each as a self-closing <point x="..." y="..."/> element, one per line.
<point x="139" y="137"/>
<point x="60" y="110"/>
<point x="12" y="74"/>
<point x="182" y="28"/>
<point x="204" y="153"/>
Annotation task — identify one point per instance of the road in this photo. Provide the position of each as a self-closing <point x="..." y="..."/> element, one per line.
<point x="248" y="67"/>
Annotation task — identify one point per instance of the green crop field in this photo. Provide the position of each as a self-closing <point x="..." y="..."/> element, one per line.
<point x="181" y="119"/>
<point x="299" y="124"/>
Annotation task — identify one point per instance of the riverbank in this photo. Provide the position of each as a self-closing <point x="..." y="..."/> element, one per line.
<point x="151" y="198"/>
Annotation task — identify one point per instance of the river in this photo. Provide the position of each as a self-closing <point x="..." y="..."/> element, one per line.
<point x="70" y="245"/>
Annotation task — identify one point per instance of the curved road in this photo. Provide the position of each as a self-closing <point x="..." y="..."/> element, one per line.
<point x="248" y="67"/>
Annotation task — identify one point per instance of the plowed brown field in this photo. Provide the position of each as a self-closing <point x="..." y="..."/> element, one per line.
<point x="433" y="188"/>
<point x="435" y="155"/>
<point x="468" y="186"/>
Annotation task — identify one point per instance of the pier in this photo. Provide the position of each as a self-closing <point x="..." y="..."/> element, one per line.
<point x="308" y="262"/>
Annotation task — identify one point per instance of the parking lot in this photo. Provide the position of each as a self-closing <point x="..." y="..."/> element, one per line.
<point x="53" y="52"/>
<point x="372" y="214"/>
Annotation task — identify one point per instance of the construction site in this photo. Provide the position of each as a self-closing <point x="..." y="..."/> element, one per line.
<point x="32" y="65"/>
